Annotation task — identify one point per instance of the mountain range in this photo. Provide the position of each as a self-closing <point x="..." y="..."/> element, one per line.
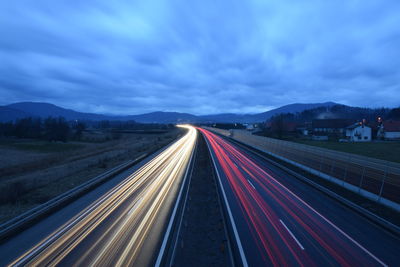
<point x="36" y="109"/>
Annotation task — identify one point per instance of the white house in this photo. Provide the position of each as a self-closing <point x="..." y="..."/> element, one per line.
<point x="358" y="133"/>
<point x="389" y="130"/>
<point x="249" y="126"/>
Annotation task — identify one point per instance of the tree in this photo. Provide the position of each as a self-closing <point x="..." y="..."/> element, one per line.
<point x="7" y="129"/>
<point x="394" y="113"/>
<point x="277" y="125"/>
<point x="79" y="128"/>
<point x="56" y="129"/>
<point x="28" y="128"/>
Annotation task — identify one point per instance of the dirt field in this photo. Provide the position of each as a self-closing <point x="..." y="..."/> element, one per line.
<point x="32" y="172"/>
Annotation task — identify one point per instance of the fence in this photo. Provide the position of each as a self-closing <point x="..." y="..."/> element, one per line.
<point x="373" y="178"/>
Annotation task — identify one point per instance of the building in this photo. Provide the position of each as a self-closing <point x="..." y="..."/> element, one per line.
<point x="389" y="130"/>
<point x="249" y="126"/>
<point x="358" y="132"/>
<point x="330" y="126"/>
<point x="286" y="127"/>
<point x="304" y="128"/>
<point x="319" y="138"/>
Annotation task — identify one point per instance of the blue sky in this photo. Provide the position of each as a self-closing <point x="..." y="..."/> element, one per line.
<point x="201" y="57"/>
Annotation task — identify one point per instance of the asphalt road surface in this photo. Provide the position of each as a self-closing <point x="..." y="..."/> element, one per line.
<point x="123" y="226"/>
<point x="278" y="220"/>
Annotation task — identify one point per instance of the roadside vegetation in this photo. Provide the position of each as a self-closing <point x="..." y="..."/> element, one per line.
<point x="385" y="150"/>
<point x="33" y="170"/>
<point x="300" y="128"/>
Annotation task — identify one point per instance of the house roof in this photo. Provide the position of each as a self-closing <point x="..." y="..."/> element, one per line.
<point x="355" y="125"/>
<point x="332" y="123"/>
<point x="391" y="126"/>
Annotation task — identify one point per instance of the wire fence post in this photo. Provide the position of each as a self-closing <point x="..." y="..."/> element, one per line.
<point x="279" y="148"/>
<point x="332" y="167"/>
<point x="320" y="163"/>
<point x="345" y="170"/>
<point x="310" y="154"/>
<point x="295" y="151"/>
<point x="361" y="180"/>
<point x="383" y="181"/>
<point x="275" y="147"/>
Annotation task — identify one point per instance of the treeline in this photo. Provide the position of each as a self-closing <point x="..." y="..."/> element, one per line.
<point x="59" y="129"/>
<point x="50" y="129"/>
<point x="338" y="112"/>
<point x="225" y="126"/>
<point x="129" y="125"/>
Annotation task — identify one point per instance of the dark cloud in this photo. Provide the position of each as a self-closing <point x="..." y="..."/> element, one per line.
<point x="199" y="56"/>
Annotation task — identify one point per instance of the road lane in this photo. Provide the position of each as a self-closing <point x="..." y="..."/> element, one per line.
<point x="276" y="227"/>
<point x="113" y="229"/>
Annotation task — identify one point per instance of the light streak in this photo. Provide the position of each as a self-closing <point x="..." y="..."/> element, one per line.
<point x="117" y="224"/>
<point x="262" y="210"/>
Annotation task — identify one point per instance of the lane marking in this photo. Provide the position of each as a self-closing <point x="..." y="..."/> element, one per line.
<point x="103" y="200"/>
<point x="135" y="206"/>
<point x="251" y="184"/>
<point x="174" y="212"/>
<point x="319" y="214"/>
<point x="235" y="231"/>
<point x="302" y="201"/>
<point x="291" y="234"/>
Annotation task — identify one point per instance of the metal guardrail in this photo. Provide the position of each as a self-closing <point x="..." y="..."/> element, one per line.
<point x="375" y="179"/>
<point x="22" y="221"/>
<point x="166" y="255"/>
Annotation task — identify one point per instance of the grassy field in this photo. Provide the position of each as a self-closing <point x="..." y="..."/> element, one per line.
<point x="43" y="147"/>
<point x="381" y="150"/>
<point x="32" y="172"/>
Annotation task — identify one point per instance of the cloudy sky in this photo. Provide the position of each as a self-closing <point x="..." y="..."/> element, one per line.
<point x="199" y="56"/>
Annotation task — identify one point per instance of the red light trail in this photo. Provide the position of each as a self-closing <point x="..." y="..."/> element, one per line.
<point x="285" y="229"/>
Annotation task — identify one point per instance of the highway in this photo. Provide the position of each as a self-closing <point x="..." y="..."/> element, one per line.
<point x="279" y="221"/>
<point x="124" y="225"/>
<point x="373" y="178"/>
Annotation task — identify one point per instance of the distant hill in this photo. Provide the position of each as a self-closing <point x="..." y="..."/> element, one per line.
<point x="44" y="110"/>
<point x="292" y="108"/>
<point x="161" y="117"/>
<point x="225" y="117"/>
<point x="10" y="114"/>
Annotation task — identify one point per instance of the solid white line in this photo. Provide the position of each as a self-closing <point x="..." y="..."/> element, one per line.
<point x="169" y="228"/>
<point x="251" y="183"/>
<point x="74" y="220"/>
<point x="328" y="221"/>
<point x="290" y="232"/>
<point x="325" y="219"/>
<point x="235" y="231"/>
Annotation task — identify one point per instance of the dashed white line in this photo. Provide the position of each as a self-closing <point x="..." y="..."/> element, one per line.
<point x="292" y="235"/>
<point x="251" y="184"/>
<point x="328" y="221"/>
